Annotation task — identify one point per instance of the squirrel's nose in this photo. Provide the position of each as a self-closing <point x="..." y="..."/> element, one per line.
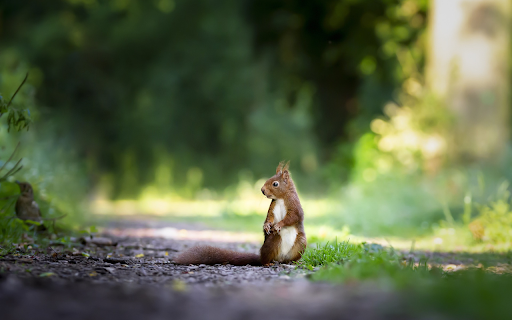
<point x="263" y="191"/>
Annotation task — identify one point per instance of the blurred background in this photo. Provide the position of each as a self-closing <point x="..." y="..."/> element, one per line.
<point x="395" y="114"/>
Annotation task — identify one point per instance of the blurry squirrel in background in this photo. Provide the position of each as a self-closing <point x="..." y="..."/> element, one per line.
<point x="26" y="208"/>
<point x="285" y="239"/>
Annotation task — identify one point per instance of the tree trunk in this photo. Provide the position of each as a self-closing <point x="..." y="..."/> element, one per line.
<point x="468" y="67"/>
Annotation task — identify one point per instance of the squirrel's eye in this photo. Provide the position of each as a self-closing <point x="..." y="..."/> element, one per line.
<point x="275" y="184"/>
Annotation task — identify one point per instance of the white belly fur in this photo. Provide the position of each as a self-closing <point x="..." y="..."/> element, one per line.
<point x="288" y="234"/>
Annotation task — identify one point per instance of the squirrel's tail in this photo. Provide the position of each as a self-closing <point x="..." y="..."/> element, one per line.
<point x="212" y="255"/>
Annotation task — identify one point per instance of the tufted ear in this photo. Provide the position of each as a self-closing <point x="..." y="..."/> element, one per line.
<point x="286" y="166"/>
<point x="279" y="169"/>
<point x="284" y="170"/>
<point x="283" y="166"/>
<point x="286" y="176"/>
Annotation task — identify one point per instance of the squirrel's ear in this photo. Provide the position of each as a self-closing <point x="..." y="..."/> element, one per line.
<point x="286" y="176"/>
<point x="279" y="169"/>
<point x="286" y="166"/>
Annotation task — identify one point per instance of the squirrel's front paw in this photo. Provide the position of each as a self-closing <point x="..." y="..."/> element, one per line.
<point x="267" y="226"/>
<point x="277" y="227"/>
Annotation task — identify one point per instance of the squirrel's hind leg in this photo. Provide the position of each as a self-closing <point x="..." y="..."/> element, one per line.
<point x="270" y="248"/>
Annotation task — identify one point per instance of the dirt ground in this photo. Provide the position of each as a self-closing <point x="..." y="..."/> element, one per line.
<point x="133" y="277"/>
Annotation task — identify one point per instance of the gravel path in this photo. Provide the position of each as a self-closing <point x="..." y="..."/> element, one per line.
<point x="133" y="277"/>
<point x="129" y="274"/>
<point x="146" y="261"/>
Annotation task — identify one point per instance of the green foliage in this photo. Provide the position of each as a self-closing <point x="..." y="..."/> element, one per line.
<point x="394" y="204"/>
<point x="349" y="51"/>
<point x="140" y="85"/>
<point x="17" y="118"/>
<point x="58" y="185"/>
<point x="494" y="219"/>
<point x="10" y="226"/>
<point x="483" y="222"/>
<point x="191" y="99"/>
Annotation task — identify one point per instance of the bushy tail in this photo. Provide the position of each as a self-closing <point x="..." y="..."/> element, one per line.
<point x="212" y="255"/>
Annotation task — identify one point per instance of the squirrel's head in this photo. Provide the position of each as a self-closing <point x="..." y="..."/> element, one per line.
<point x="25" y="188"/>
<point x="280" y="184"/>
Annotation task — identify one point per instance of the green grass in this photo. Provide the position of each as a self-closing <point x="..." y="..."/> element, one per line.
<point x="330" y="252"/>
<point x="475" y="292"/>
<point x="343" y="261"/>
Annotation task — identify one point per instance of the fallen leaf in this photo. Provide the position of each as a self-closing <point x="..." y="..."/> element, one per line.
<point x="140" y="255"/>
<point x="93" y="274"/>
<point x="179" y="285"/>
<point x="47" y="274"/>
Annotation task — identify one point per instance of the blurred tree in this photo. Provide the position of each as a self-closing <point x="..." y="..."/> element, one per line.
<point x="346" y="49"/>
<point x="469" y="68"/>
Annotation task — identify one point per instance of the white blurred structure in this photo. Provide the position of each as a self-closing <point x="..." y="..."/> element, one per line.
<point x="468" y="66"/>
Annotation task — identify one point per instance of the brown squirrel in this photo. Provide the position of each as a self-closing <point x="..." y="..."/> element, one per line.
<point x="26" y="208"/>
<point x="285" y="239"/>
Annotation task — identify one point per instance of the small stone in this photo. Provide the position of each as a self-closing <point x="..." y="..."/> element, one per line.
<point x="110" y="269"/>
<point x="25" y="260"/>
